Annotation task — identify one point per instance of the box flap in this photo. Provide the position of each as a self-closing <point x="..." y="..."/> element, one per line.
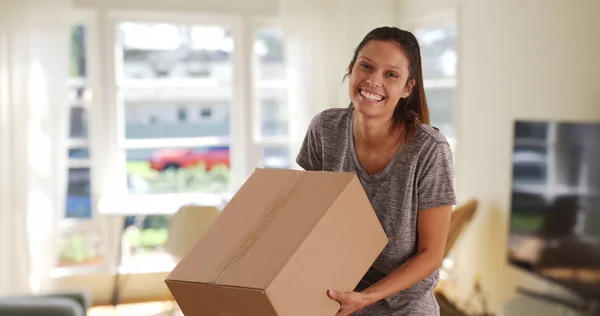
<point x="210" y="300"/>
<point x="233" y="249"/>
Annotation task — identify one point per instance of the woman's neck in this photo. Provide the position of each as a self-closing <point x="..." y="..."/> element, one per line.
<point x="374" y="133"/>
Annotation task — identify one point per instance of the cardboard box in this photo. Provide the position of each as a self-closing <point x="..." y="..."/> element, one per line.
<point x="279" y="244"/>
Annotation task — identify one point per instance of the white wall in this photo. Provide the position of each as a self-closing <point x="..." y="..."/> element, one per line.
<point x="517" y="59"/>
<point x="263" y="7"/>
<point x="410" y="12"/>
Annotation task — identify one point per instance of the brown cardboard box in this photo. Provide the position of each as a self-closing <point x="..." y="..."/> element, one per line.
<point x="279" y="244"/>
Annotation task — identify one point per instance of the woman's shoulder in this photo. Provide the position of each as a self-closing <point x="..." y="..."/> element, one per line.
<point x="429" y="135"/>
<point x="429" y="141"/>
<point x="335" y="113"/>
<point x="332" y="119"/>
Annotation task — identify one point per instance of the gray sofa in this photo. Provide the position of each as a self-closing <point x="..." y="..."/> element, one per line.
<point x="56" y="304"/>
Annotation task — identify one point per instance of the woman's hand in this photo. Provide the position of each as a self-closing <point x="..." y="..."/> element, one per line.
<point x="350" y="301"/>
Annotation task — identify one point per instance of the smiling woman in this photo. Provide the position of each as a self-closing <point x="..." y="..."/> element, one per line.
<point x="405" y="167"/>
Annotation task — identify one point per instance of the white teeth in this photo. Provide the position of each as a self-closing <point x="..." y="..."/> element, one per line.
<point x="371" y="96"/>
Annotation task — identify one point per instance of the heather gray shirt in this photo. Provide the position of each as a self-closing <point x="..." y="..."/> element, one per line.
<point x="420" y="176"/>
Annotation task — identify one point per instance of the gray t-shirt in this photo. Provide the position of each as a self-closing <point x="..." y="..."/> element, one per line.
<point x="420" y="176"/>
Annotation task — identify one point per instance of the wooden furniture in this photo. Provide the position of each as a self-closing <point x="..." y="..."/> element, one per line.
<point x="461" y="216"/>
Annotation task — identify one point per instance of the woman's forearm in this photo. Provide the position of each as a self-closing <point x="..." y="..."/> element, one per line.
<point x="410" y="273"/>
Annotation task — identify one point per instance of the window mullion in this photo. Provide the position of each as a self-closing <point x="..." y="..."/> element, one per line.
<point x="243" y="150"/>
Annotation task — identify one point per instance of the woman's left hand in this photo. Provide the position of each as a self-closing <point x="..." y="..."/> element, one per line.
<point x="350" y="302"/>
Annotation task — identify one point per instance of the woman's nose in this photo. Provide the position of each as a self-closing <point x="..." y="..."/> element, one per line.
<point x="374" y="80"/>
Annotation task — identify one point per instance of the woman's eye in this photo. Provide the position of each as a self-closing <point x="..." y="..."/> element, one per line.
<point x="392" y="74"/>
<point x="365" y="66"/>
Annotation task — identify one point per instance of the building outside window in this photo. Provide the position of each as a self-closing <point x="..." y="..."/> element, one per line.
<point x="273" y="132"/>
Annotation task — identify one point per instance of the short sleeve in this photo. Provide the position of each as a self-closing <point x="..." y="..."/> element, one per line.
<point x="310" y="157"/>
<point x="436" y="184"/>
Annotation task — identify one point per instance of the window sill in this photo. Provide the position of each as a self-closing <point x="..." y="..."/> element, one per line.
<point x="156" y="263"/>
<point x="159" y="204"/>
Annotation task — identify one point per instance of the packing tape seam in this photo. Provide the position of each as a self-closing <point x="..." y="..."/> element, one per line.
<point x="266" y="218"/>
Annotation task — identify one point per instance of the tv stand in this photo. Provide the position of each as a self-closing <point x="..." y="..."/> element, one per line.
<point x="590" y="307"/>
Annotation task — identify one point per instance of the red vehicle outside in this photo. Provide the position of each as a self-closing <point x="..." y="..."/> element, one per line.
<point x="173" y="159"/>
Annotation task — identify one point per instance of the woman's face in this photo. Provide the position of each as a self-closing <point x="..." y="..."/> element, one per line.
<point x="378" y="79"/>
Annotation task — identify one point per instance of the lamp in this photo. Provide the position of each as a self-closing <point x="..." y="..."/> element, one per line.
<point x="186" y="227"/>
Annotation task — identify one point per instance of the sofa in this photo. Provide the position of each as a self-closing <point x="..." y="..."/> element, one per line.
<point x="56" y="304"/>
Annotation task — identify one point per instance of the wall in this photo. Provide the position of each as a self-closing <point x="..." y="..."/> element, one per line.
<point x="517" y="59"/>
<point x="409" y="12"/>
<point x="263" y="7"/>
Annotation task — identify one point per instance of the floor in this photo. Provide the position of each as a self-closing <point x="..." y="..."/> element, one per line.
<point x="142" y="309"/>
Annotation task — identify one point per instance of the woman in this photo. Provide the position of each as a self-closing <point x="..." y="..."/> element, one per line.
<point x="404" y="165"/>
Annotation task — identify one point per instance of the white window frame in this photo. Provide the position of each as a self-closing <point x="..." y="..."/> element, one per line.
<point x="259" y="141"/>
<point x="106" y="130"/>
<point x="89" y="19"/>
<point x="442" y="19"/>
<point x="115" y="199"/>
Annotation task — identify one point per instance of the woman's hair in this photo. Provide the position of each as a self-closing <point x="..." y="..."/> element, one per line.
<point x="412" y="110"/>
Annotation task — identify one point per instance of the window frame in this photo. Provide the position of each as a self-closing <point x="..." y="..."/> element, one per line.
<point x="118" y="144"/>
<point x="95" y="224"/>
<point x="259" y="141"/>
<point x="441" y="19"/>
<point x="110" y="200"/>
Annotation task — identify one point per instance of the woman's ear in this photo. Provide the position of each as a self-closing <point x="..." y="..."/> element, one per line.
<point x="408" y="88"/>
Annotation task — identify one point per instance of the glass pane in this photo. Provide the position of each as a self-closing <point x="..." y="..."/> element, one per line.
<point x="178" y="170"/>
<point x="144" y="240"/>
<point x="273" y="107"/>
<point x="162" y="50"/>
<point x="78" y="122"/>
<point x="79" y="153"/>
<point x="79" y="202"/>
<point x="438" y="51"/>
<point x="78" y="52"/>
<point x="276" y="157"/>
<point x="80" y="248"/>
<point x="274" y="114"/>
<point x="167" y="113"/>
<point x="441" y="106"/>
<point x="269" y="50"/>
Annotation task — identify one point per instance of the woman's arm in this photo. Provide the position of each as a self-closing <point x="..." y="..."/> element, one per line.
<point x="433" y="225"/>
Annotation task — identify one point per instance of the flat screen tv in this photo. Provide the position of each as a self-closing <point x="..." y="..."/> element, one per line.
<point x="555" y="203"/>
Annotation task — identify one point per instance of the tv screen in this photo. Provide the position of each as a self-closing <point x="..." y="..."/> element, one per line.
<point x="555" y="203"/>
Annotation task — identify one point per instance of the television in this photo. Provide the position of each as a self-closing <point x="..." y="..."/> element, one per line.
<point x="555" y="204"/>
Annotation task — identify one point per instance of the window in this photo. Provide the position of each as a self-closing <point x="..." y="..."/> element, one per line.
<point x="272" y="133"/>
<point x="175" y="92"/>
<point x="143" y="239"/>
<point x="205" y="112"/>
<point x="78" y="190"/>
<point x="163" y="70"/>
<point x="188" y="118"/>
<point x="438" y="51"/>
<point x="81" y="239"/>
